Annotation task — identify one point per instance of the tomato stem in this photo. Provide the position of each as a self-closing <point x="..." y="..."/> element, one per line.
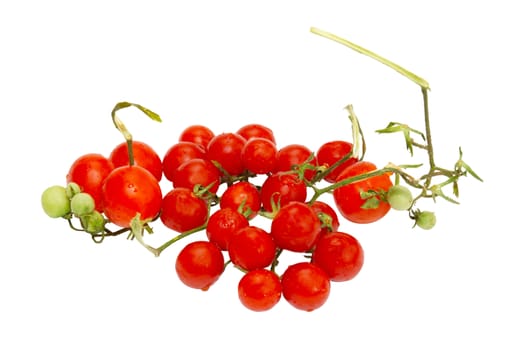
<point x="358" y="140"/>
<point x="275" y="260"/>
<point x="418" y="80"/>
<point x="161" y="248"/>
<point x="123" y="129"/>
<point x="430" y="149"/>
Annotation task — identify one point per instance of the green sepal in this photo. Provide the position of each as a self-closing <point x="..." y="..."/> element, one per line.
<point x="406" y="130"/>
<point x="411" y="166"/>
<point x="371" y="203"/>
<point x="137" y="227"/>
<point x="438" y="192"/>
<point x="468" y="170"/>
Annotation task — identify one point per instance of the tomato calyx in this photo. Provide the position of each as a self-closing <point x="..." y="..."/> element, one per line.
<point x="205" y="193"/>
<point x="326" y="221"/>
<point x="137" y="229"/>
<point x="245" y="210"/>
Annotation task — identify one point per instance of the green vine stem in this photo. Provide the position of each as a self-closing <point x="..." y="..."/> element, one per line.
<point x="430" y="149"/>
<point x="418" y="80"/>
<point x="160" y="249"/>
<point x="460" y="169"/>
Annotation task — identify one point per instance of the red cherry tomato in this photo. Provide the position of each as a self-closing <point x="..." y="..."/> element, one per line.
<point x="199" y="134"/>
<point x="295" y="154"/>
<point x="330" y="152"/>
<point x="349" y="199"/>
<point x="197" y="172"/>
<point x="305" y="286"/>
<point x="259" y="290"/>
<point x="281" y="188"/>
<point x="251" y="248"/>
<point x="295" y="227"/>
<point x="242" y="195"/>
<point x="200" y="264"/>
<point x="339" y="254"/>
<point x="222" y="224"/>
<point x="259" y="155"/>
<point x="89" y="172"/>
<point x="226" y="149"/>
<point x="178" y="154"/>
<point x="182" y="210"/>
<point x="256" y="130"/>
<point x="143" y="154"/>
<point x="131" y="190"/>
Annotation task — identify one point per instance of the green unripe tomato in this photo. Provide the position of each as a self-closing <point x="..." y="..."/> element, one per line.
<point x="72" y="189"/>
<point x="82" y="204"/>
<point x="426" y="220"/>
<point x="93" y="222"/>
<point x="399" y="197"/>
<point x="55" y="202"/>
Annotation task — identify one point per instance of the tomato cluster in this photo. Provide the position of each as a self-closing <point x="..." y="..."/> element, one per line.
<point x="212" y="189"/>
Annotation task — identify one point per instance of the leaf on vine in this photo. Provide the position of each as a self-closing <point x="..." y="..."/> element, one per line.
<point x="372" y="199"/>
<point x="371" y="203"/>
<point x="146" y="111"/>
<point x="438" y="192"/>
<point x="368" y="194"/>
<point x="455" y="189"/>
<point x="406" y="130"/>
<point x="460" y="164"/>
<point x="412" y="166"/>
<point x="120" y="126"/>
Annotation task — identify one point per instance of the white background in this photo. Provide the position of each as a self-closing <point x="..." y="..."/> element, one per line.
<point x="65" y="64"/>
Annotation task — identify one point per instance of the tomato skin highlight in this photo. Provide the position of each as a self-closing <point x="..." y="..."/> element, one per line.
<point x="226" y="149"/>
<point x="305" y="286"/>
<point x="251" y="248"/>
<point x="143" y="154"/>
<point x="256" y="130"/>
<point x="259" y="290"/>
<point x="200" y="264"/>
<point x="89" y="171"/>
<point x="182" y="210"/>
<point x="295" y="227"/>
<point x="178" y="154"/>
<point x="259" y="155"/>
<point x="198" y="134"/>
<point x="340" y="255"/>
<point x="222" y="224"/>
<point x="348" y="197"/>
<point x="197" y="172"/>
<point x="131" y="190"/>
<point x="282" y="188"/>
